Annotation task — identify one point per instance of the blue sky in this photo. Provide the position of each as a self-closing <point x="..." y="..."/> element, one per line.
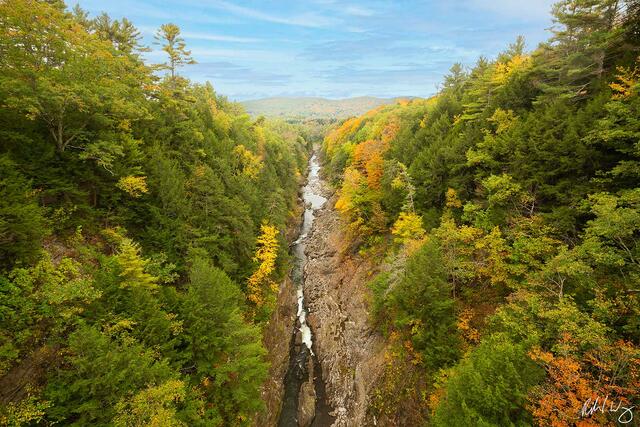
<point x="330" y="48"/>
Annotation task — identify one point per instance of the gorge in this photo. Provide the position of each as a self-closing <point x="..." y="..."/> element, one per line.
<point x="170" y="257"/>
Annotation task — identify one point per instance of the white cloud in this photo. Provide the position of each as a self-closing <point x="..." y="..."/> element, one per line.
<point x="358" y="11"/>
<point x="203" y="54"/>
<point x="303" y="20"/>
<point x="220" y="37"/>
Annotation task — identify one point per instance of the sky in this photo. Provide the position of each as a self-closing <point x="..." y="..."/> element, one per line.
<point x="330" y="48"/>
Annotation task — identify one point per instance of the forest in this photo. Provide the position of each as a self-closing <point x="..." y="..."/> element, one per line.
<point x="145" y="223"/>
<point x="141" y="229"/>
<point x="507" y="209"/>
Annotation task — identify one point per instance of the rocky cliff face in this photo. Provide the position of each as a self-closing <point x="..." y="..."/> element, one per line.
<point x="277" y="339"/>
<point x="349" y="350"/>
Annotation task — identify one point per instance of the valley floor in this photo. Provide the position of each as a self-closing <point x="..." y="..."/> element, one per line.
<point x="350" y="352"/>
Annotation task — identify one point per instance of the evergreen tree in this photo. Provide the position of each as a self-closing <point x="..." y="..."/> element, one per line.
<point x="175" y="47"/>
<point x="489" y="387"/>
<point x="22" y="222"/>
<point x="225" y="352"/>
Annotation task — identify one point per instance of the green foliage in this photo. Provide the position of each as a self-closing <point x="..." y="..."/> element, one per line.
<point x="489" y="387"/>
<point x="174" y="46"/>
<point x="22" y="223"/>
<point x="129" y="312"/>
<point x="513" y="195"/>
<point x="225" y="352"/>
<point x="524" y="172"/>
<point x="104" y="370"/>
<point x="419" y="302"/>
<point x="38" y="301"/>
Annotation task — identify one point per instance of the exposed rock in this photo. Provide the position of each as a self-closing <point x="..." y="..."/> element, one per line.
<point x="349" y="350"/>
<point x="277" y="338"/>
<point x="307" y="402"/>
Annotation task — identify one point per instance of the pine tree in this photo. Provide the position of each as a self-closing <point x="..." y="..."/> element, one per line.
<point x="586" y="38"/>
<point x="174" y="46"/>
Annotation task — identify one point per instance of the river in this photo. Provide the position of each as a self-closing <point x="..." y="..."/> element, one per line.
<point x="303" y="361"/>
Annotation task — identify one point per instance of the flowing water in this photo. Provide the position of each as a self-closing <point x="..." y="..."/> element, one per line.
<point x="302" y="339"/>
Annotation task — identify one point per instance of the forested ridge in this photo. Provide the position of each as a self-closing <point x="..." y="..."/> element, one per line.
<point x="507" y="210"/>
<point x="142" y="224"/>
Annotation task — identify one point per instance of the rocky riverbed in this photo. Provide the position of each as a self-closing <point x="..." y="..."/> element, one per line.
<point x="333" y="387"/>
<point x="349" y="351"/>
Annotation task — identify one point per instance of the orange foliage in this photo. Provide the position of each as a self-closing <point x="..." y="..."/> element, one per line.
<point x="374" y="168"/>
<point x="368" y="156"/>
<point x="390" y="131"/>
<point x="627" y="82"/>
<point x="573" y="384"/>
<point x="365" y="150"/>
<point x="470" y="334"/>
<point x="339" y="135"/>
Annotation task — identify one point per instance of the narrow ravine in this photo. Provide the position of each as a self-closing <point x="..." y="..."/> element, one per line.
<point x="304" y="402"/>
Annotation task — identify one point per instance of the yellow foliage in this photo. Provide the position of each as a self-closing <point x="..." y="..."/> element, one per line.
<point x="266" y="255"/>
<point x="353" y="180"/>
<point x="503" y="119"/>
<point x="493" y="251"/>
<point x="199" y="171"/>
<point x="135" y="186"/>
<point x="222" y="121"/>
<point x="503" y="70"/>
<point x="152" y="407"/>
<point x="339" y="135"/>
<point x="260" y="137"/>
<point x="408" y="227"/>
<point x="397" y="183"/>
<point x="124" y="125"/>
<point x="470" y="334"/>
<point x="627" y="84"/>
<point x="28" y="411"/>
<point x="452" y="199"/>
<point x="133" y="267"/>
<point x="249" y="163"/>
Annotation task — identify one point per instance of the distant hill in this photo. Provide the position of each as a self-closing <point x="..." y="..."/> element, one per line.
<point x="310" y="107"/>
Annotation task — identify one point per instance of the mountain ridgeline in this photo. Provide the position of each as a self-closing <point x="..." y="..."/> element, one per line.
<point x="146" y="221"/>
<point x="314" y="108"/>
